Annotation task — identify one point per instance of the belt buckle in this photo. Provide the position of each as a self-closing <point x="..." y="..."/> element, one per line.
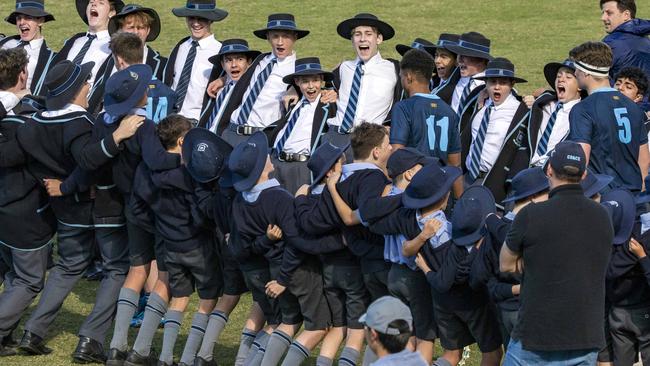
<point x="243" y="130"/>
<point x="282" y="156"/>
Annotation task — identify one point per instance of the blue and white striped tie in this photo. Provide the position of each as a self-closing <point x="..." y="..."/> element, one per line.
<point x="477" y="147"/>
<point x="219" y="103"/>
<point x="542" y="147"/>
<point x="351" y="109"/>
<point x="78" y="59"/>
<point x="247" y="107"/>
<point x="290" y="125"/>
<point x="463" y="97"/>
<point x="186" y="75"/>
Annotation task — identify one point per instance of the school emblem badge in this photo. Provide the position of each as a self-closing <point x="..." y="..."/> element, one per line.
<point x="434" y="105"/>
<point x="201" y="147"/>
<point x="616" y="97"/>
<point x="134" y="76"/>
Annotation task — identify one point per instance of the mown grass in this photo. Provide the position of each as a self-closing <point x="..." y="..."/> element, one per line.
<point x="529" y="32"/>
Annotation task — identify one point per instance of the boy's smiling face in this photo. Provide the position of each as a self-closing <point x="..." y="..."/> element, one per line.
<point x="629" y="89"/>
<point x="499" y="89"/>
<point x="99" y="12"/>
<point x="199" y="27"/>
<point x="366" y="41"/>
<point x="281" y="42"/>
<point x="29" y="28"/>
<point x="310" y="86"/>
<point x="566" y="85"/>
<point x="445" y="63"/>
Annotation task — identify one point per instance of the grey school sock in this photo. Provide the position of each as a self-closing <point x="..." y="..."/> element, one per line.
<point x="277" y="346"/>
<point x="173" y="320"/>
<point x="215" y="326"/>
<point x="369" y="356"/>
<point x="127" y="304"/>
<point x="199" y="323"/>
<point x="348" y="357"/>
<point x="245" y="343"/>
<point x="296" y="355"/>
<point x="324" y="361"/>
<point x="256" y="353"/>
<point x="153" y="312"/>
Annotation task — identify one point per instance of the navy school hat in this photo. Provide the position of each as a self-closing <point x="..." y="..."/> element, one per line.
<point x="247" y="161"/>
<point x="344" y="29"/>
<point x="418" y="43"/>
<point x="82" y="6"/>
<point x="323" y="158"/>
<point x="206" y="9"/>
<point x="308" y="66"/>
<point x="385" y="310"/>
<point x="429" y="185"/>
<point x="551" y="69"/>
<point x="33" y="8"/>
<point x="125" y="89"/>
<point x="154" y="28"/>
<point x="281" y="22"/>
<point x="500" y="67"/>
<point x="446" y="39"/>
<point x="63" y="82"/>
<point x="204" y="154"/>
<point x="233" y="45"/>
<point x="406" y="158"/>
<point x="594" y="183"/>
<point x="470" y="211"/>
<point x="622" y="209"/>
<point x="528" y="182"/>
<point x="471" y="44"/>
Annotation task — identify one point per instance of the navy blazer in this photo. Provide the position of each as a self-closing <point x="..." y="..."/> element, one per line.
<point x="45" y="60"/>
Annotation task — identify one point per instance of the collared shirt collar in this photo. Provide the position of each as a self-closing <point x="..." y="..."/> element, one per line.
<point x="318" y="189"/>
<point x="373" y="60"/>
<point x="9" y="100"/>
<point x="566" y="189"/>
<point x="101" y="35"/>
<point x="645" y="222"/>
<point x="291" y="57"/>
<point x="510" y="99"/>
<point x="68" y="108"/>
<point x="568" y="105"/>
<point x="428" y="96"/>
<point x="604" y="89"/>
<point x="443" y="234"/>
<point x="349" y="169"/>
<point x="35" y="43"/>
<point x="254" y="193"/>
<point x="395" y="190"/>
<point x="510" y="215"/>
<point x="205" y="41"/>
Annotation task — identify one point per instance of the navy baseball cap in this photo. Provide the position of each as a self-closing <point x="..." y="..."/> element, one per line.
<point x="470" y="212"/>
<point x="594" y="183"/>
<point x="429" y="185"/>
<point x="126" y="88"/>
<point x="204" y="154"/>
<point x="322" y="160"/>
<point x="384" y="311"/>
<point x="406" y="158"/>
<point x="247" y="161"/>
<point x="527" y="183"/>
<point x="567" y="154"/>
<point x="621" y="207"/>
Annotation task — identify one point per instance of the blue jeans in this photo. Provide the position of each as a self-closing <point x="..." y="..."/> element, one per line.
<point x="517" y="356"/>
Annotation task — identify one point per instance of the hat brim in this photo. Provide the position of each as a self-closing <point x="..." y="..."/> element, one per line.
<point x="36" y="13"/>
<point x="344" y="29"/>
<point x="57" y="102"/>
<point x="513" y="78"/>
<point x="120" y="109"/>
<point x="643" y="197"/>
<point x="413" y="202"/>
<point x="462" y="51"/>
<point x="528" y="193"/>
<point x="550" y="72"/>
<point x="203" y="134"/>
<point x="154" y="29"/>
<point x="214" y="15"/>
<point x="329" y="163"/>
<point x="402" y="49"/>
<point x="626" y="200"/>
<point x="216" y="59"/>
<point x="244" y="183"/>
<point x="82" y="5"/>
<point x="327" y="76"/>
<point x="261" y="33"/>
<point x="488" y="205"/>
<point x="601" y="182"/>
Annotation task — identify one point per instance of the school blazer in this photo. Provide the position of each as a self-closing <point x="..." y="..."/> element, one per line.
<point x="45" y="58"/>
<point x="323" y="112"/>
<point x="446" y="91"/>
<point x="535" y="120"/>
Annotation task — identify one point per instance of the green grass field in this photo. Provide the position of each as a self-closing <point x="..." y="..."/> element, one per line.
<point x="529" y="32"/>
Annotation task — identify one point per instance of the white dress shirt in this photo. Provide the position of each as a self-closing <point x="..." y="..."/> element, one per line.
<point x="32" y="49"/>
<point x="299" y="141"/>
<point x="375" y="94"/>
<point x="9" y="101"/>
<point x="201" y="70"/>
<point x="560" y="129"/>
<point x="223" y="105"/>
<point x="68" y="108"/>
<point x="97" y="53"/>
<point x="268" y="105"/>
<point x="500" y="119"/>
<point x="460" y="86"/>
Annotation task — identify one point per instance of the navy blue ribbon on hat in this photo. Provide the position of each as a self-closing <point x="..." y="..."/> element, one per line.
<point x="304" y="67"/>
<point x="569" y="63"/>
<point x="193" y="6"/>
<point x="281" y="23"/>
<point x="417" y="45"/>
<point x="499" y="73"/>
<point x="474" y="46"/>
<point x="234" y="47"/>
<point x="30" y="4"/>
<point x="68" y="83"/>
<point x="443" y="43"/>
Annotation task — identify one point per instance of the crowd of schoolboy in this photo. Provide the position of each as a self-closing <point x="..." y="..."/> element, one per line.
<point x="223" y="170"/>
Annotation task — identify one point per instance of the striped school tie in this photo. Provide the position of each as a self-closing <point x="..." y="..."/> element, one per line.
<point x="542" y="148"/>
<point x="186" y="74"/>
<point x="351" y="109"/>
<point x="22" y="44"/>
<point x="290" y="125"/>
<point x="477" y="148"/>
<point x="78" y="59"/>
<point x="219" y="103"/>
<point x="247" y="107"/>
<point x="463" y="97"/>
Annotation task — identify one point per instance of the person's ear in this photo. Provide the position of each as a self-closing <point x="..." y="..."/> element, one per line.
<point x="638" y="98"/>
<point x="180" y="141"/>
<point x="380" y="38"/>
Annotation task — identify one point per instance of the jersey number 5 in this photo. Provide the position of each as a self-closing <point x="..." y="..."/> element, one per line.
<point x="443" y="123"/>
<point x="624" y="128"/>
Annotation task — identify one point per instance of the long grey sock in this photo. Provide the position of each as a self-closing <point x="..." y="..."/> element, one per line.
<point x="199" y="322"/>
<point x="127" y="304"/>
<point x="215" y="326"/>
<point x="369" y="356"/>
<point x="324" y="361"/>
<point x="245" y="344"/>
<point x="277" y="346"/>
<point x="173" y="320"/>
<point x="153" y="312"/>
<point x="296" y="355"/>
<point x="348" y="357"/>
<point x="256" y="353"/>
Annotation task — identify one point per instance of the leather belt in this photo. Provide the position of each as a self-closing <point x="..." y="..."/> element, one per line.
<point x="244" y="130"/>
<point x="289" y="158"/>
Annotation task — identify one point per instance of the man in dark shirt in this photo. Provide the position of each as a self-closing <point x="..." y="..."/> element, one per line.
<point x="560" y="318"/>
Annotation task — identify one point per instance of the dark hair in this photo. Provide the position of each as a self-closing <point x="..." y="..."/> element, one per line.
<point x="635" y="75"/>
<point x="569" y="174"/>
<point x="395" y="343"/>
<point x="12" y="63"/>
<point x="594" y="53"/>
<point x="419" y="63"/>
<point x="622" y="6"/>
<point x="171" y="128"/>
<point x="366" y="137"/>
<point x="127" y="46"/>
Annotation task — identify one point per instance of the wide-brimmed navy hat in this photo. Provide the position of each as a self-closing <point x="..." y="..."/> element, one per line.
<point x="622" y="209"/>
<point x="471" y="44"/>
<point x="470" y="212"/>
<point x="125" y="89"/>
<point x="323" y="158"/>
<point x="594" y="183"/>
<point x="419" y="44"/>
<point x="500" y="67"/>
<point x="551" y="69"/>
<point x="281" y="22"/>
<point x="406" y="158"/>
<point x="528" y="182"/>
<point x="204" y="154"/>
<point x="344" y="29"/>
<point x="233" y="45"/>
<point x="82" y="5"/>
<point x="446" y="39"/>
<point x="644" y="197"/>
<point x="154" y="27"/>
<point x="33" y="8"/>
<point x="247" y="161"/>
<point x="206" y="9"/>
<point x="63" y="82"/>
<point x="429" y="185"/>
<point x="308" y="66"/>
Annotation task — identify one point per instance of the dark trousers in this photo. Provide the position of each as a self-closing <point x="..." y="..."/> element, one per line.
<point x="24" y="281"/>
<point x="291" y="175"/>
<point x="232" y="137"/>
<point x="508" y="320"/>
<point x="74" y="249"/>
<point x="630" y="328"/>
